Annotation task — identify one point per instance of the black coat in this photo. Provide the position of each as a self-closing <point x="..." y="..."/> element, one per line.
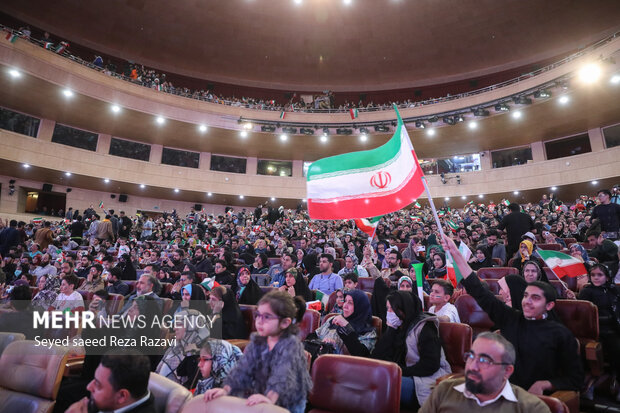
<point x="516" y="224"/>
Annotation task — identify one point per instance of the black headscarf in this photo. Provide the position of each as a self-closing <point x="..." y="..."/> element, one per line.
<point x="251" y="293"/>
<point x="380" y="292"/>
<point x="128" y="271"/>
<point x="301" y="287"/>
<point x="517" y="285"/>
<point x="233" y="325"/>
<point x="198" y="300"/>
<point x="361" y="319"/>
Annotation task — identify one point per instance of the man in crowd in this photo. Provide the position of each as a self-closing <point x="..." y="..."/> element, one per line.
<point x="608" y="214"/>
<point x="288" y="260"/>
<point x="144" y="287"/>
<point x="115" y="284"/>
<point x="516" y="224"/>
<point x="44" y="236"/>
<point x="604" y="250"/>
<point x="326" y="281"/>
<point x="124" y="225"/>
<point x="495" y="249"/>
<point x="9" y="237"/>
<point x="201" y="261"/>
<point x="488" y="366"/>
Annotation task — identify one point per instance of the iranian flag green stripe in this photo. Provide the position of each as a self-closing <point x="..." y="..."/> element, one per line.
<point x="563" y="265"/>
<point x="368" y="226"/>
<point x="419" y="280"/>
<point x="367" y="183"/>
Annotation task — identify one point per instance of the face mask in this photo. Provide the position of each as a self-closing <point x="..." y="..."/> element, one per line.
<point x="393" y="320"/>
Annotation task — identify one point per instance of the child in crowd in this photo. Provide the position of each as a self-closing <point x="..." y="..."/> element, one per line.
<point x="274" y="368"/>
<point x="217" y="359"/>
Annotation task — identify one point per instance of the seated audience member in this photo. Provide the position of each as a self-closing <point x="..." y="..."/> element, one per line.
<point x="526" y="248"/>
<point x="245" y="289"/>
<point x="412" y="341"/>
<point x="185" y="278"/>
<point x="222" y="275"/>
<point x="190" y="331"/>
<point x="217" y="358"/>
<point x="115" y="284"/>
<point x="193" y="298"/>
<point x="546" y="350"/>
<point x="98" y="303"/>
<point x="488" y="366"/>
<point x="441" y="293"/>
<point x="144" y="287"/>
<point x="201" y="262"/>
<point x="511" y="289"/>
<point x="17" y="316"/>
<point x="274" y="368"/>
<point x="351" y="266"/>
<point x="94" y="282"/>
<point x="229" y="317"/>
<point x="260" y="268"/>
<point x="338" y="305"/>
<point x="405" y="283"/>
<point x="439" y="269"/>
<point x="278" y="277"/>
<point x="353" y="328"/>
<point x="128" y="271"/>
<point x="497" y="250"/>
<point x="602" y="291"/>
<point x="604" y="250"/>
<point x="426" y="286"/>
<point x="480" y="259"/>
<point x="531" y="272"/>
<point x="163" y="275"/>
<point x="68" y="299"/>
<point x="295" y="285"/>
<point x="120" y="384"/>
<point x="326" y="281"/>
<point x="350" y="281"/>
<point x="47" y="292"/>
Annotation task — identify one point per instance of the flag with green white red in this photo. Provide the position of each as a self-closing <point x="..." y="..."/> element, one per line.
<point x="419" y="280"/>
<point x="282" y="114"/>
<point x="453" y="273"/>
<point x="48" y="45"/>
<point x="453" y="226"/>
<point x="101" y="204"/>
<point x="367" y="225"/>
<point x="417" y="205"/>
<point x="354" y="113"/>
<point x="11" y="37"/>
<point x="37" y="220"/>
<point x="505" y="202"/>
<point x="563" y="265"/>
<point x="365" y="183"/>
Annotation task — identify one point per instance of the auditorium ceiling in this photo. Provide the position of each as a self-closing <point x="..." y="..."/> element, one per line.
<point x="327" y="44"/>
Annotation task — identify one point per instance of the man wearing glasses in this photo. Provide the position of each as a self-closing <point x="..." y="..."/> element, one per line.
<point x="488" y="367"/>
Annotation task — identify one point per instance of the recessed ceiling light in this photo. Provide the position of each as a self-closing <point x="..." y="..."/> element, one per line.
<point x="347" y="2"/>
<point x="553" y="188"/>
<point x="67" y="92"/>
<point x="615" y="79"/>
<point x="517" y="114"/>
<point x="304" y="200"/>
<point x="14" y="73"/>
<point x="298" y="1"/>
<point x="241" y="197"/>
<point x="176" y="190"/>
<point x="243" y="134"/>
<point x="209" y="194"/>
<point x="480" y="196"/>
<point x="516" y="192"/>
<point x="590" y="73"/>
<point x="26" y="166"/>
<point x="594" y="182"/>
<point x="67" y="173"/>
<point x="160" y="120"/>
<point x="115" y="108"/>
<point x="273" y="198"/>
<point x="463" y="197"/>
<point x="564" y="99"/>
<point x="247" y="126"/>
<point x="284" y="137"/>
<point x="106" y="180"/>
<point x="472" y="125"/>
<point x="430" y="132"/>
<point x="363" y="137"/>
<point x="447" y="198"/>
<point x="324" y="138"/>
<point x="142" y="186"/>
<point x="202" y="128"/>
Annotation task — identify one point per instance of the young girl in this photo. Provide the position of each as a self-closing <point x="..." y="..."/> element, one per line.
<point x="274" y="368"/>
<point x="217" y="359"/>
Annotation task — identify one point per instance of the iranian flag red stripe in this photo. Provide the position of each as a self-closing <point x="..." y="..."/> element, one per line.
<point x="366" y="183"/>
<point x="368" y="226"/>
<point x="563" y="265"/>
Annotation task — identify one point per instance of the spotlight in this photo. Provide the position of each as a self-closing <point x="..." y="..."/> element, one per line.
<point x="306" y="131"/>
<point x="460" y="118"/>
<point x="347" y="2"/>
<point x="419" y="124"/>
<point x="553" y="188"/>
<point x="268" y="128"/>
<point x="501" y="107"/>
<point x="324" y="138"/>
<point x="363" y="137"/>
<point x="290" y="130"/>
<point x="480" y="196"/>
<point x="595" y="182"/>
<point x="106" y="180"/>
<point x="522" y="100"/>
<point x="381" y="128"/>
<point x="247" y="126"/>
<point x="472" y="125"/>
<point x="202" y="128"/>
<point x="115" y="108"/>
<point x="433" y="119"/>
<point x="160" y="120"/>
<point x="243" y="134"/>
<point x="284" y="137"/>
<point x="14" y="73"/>
<point x="448" y="120"/>
<point x="344" y="131"/>
<point x="430" y="132"/>
<point x="590" y="73"/>
<point x="564" y="100"/>
<point x="481" y="112"/>
<point x="325" y="131"/>
<point x="516" y="192"/>
<point x="516" y="115"/>
<point x="142" y="186"/>
<point x="463" y="197"/>
<point x="542" y="94"/>
<point x="67" y="173"/>
<point x="176" y="190"/>
<point x="241" y="197"/>
<point x="447" y="198"/>
<point x="298" y="1"/>
<point x="364" y="131"/>
<point x="209" y="194"/>
<point x="68" y="93"/>
<point x="273" y="198"/>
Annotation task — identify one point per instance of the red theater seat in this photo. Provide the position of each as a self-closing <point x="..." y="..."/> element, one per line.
<point x="456" y="339"/>
<point x="470" y="313"/>
<point x="496" y="272"/>
<point x="248" y="317"/>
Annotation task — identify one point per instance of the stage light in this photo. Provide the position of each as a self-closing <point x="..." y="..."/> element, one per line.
<point x="26" y="166"/>
<point x="363" y="137"/>
<point x="106" y="180"/>
<point x="243" y="134"/>
<point x="430" y="132"/>
<point x="68" y="93"/>
<point x="472" y="125"/>
<point x="324" y="138"/>
<point x="517" y="115"/>
<point x="590" y="73"/>
<point x="284" y="137"/>
<point x="160" y="120"/>
<point x="564" y="100"/>
<point x="115" y="108"/>
<point x="14" y="73"/>
<point x="202" y="128"/>
<point x="176" y="190"/>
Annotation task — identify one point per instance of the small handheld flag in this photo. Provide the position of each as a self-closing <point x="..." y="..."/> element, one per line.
<point x="419" y="280"/>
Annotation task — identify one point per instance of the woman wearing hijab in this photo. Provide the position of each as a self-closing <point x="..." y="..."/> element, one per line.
<point x="127" y="268"/>
<point x="229" y="316"/>
<point x="512" y="287"/>
<point x="193" y="297"/>
<point x="526" y="247"/>
<point x="481" y="259"/>
<point x="353" y="328"/>
<point x="439" y="266"/>
<point x="47" y="284"/>
<point x="295" y="285"/>
<point x="310" y="265"/>
<point x="412" y="341"/>
<point x="245" y="289"/>
<point x="189" y="338"/>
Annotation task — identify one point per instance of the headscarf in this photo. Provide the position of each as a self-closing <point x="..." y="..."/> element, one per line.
<point x="530" y="248"/>
<point x="225" y="357"/>
<point x="582" y="250"/>
<point x="361" y="319"/>
<point x="404" y="278"/>
<point x="233" y="324"/>
<point x="196" y="332"/>
<point x="249" y="293"/>
<point x="516" y="286"/>
<point x="301" y="287"/>
<point x="198" y="300"/>
<point x="542" y="276"/>
<point x="411" y="310"/>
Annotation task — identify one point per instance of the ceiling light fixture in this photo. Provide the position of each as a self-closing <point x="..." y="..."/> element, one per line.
<point x="202" y="128"/>
<point x="553" y="188"/>
<point x="363" y="137"/>
<point x="284" y="137"/>
<point x="516" y="192"/>
<point x="430" y="132"/>
<point x="564" y="100"/>
<point x="241" y="197"/>
<point x="594" y="182"/>
<point x="447" y="198"/>
<point x="590" y="73"/>
<point x="209" y="194"/>
<point x="106" y="180"/>
<point x="517" y="115"/>
<point x="142" y="186"/>
<point x="67" y="173"/>
<point x="472" y="125"/>
<point x="324" y="138"/>
<point x="160" y="120"/>
<point x="243" y="134"/>
<point x="115" y="108"/>
<point x="14" y="73"/>
<point x="480" y="196"/>
<point x="176" y="190"/>
<point x="26" y="166"/>
<point x="68" y="93"/>
<point x="615" y="79"/>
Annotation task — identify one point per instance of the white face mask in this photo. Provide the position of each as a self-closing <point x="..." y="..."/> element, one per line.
<point x="393" y="320"/>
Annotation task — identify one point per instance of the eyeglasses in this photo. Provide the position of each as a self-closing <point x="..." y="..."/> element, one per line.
<point x="484" y="361"/>
<point x="265" y="317"/>
<point x="206" y="359"/>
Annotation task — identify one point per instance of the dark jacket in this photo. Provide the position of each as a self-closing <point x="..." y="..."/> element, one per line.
<point x="516" y="224"/>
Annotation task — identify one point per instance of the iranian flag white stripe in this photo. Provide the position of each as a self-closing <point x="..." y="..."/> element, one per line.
<point x="367" y="225"/>
<point x="366" y="183"/>
<point x="563" y="265"/>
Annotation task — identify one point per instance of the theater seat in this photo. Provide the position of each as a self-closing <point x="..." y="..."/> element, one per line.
<point x="8" y="338"/>
<point x="309" y="323"/>
<point x="228" y="404"/>
<point x="470" y="313"/>
<point x="248" y="317"/>
<point x="555" y="405"/>
<point x="366" y="284"/>
<point x="354" y="384"/>
<point x="377" y="323"/>
<point x="115" y="303"/>
<point x="550" y="247"/>
<point x="495" y="272"/>
<point x="456" y="339"/>
<point x="169" y="396"/>
<point x="30" y="377"/>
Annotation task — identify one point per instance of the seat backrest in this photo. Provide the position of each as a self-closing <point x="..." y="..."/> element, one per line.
<point x="273" y="261"/>
<point x="8" y="338"/>
<point x="131" y="284"/>
<point x="580" y="317"/>
<point x="493" y="285"/>
<point x="32" y="369"/>
<point x="470" y="313"/>
<point x="167" y="304"/>
<point x="309" y="323"/>
<point x="569" y="241"/>
<point x="115" y="303"/>
<point x="555" y="405"/>
<point x="331" y="302"/>
<point x="248" y="317"/>
<point x="401" y="246"/>
<point x="200" y="276"/>
<point x="404" y="263"/>
<point x="553" y="247"/>
<point x="366" y="284"/>
<point x="169" y="396"/>
<point x="456" y="339"/>
<point x="496" y="272"/>
<point x="228" y="404"/>
<point x="355" y="384"/>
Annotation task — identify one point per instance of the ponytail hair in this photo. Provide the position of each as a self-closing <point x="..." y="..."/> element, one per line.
<point x="285" y="306"/>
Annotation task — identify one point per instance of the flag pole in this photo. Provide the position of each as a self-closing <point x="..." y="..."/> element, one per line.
<point x="556" y="276"/>
<point x="430" y="200"/>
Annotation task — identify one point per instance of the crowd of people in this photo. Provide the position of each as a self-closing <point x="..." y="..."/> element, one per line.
<point x="283" y="262"/>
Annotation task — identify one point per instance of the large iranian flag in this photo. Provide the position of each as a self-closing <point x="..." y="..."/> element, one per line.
<point x="366" y="183"/>
<point x="367" y="225"/>
<point x="562" y="264"/>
